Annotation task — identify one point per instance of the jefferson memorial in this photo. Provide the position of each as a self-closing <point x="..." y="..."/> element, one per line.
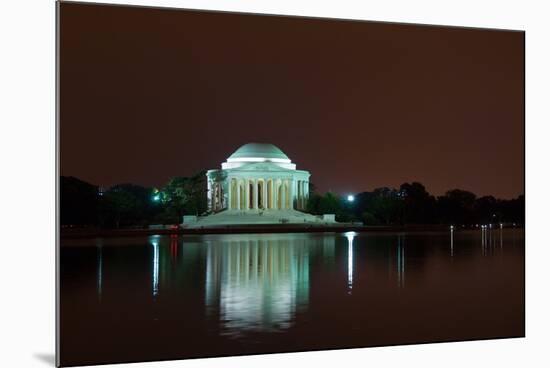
<point x="257" y="176"/>
<point x="257" y="184"/>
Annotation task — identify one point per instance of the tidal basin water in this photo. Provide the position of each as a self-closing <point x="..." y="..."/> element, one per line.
<point x="171" y="297"/>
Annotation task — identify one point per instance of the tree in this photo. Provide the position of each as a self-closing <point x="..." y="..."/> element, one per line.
<point x="78" y="202"/>
<point x="419" y="206"/>
<point x="330" y="203"/>
<point x="182" y="196"/>
<point x="119" y="206"/>
<point x="457" y="207"/>
<point x="486" y="209"/>
<point x="312" y="205"/>
<point x="369" y="219"/>
<point x="127" y="205"/>
<point x="513" y="210"/>
<point x="386" y="205"/>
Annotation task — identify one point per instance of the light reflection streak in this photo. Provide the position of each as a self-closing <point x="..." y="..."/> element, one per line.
<point x="400" y="261"/>
<point x="350" y="235"/>
<point x="99" y="268"/>
<point x="483" y="240"/>
<point x="155" y="243"/>
<point x="452" y="242"/>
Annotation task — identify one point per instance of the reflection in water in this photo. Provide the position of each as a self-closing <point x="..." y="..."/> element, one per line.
<point x="452" y="241"/>
<point x="155" y="244"/>
<point x="257" y="283"/>
<point x="490" y="232"/>
<point x="483" y="240"/>
<point x="99" y="245"/>
<point x="401" y="260"/>
<point x="350" y="235"/>
<point x="173" y="247"/>
<point x="211" y="295"/>
<point x="490" y="240"/>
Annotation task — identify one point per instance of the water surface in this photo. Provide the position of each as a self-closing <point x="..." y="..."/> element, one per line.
<point x="171" y="297"/>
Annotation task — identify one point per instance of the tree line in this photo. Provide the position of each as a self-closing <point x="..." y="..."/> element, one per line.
<point x="130" y="205"/>
<point x="412" y="204"/>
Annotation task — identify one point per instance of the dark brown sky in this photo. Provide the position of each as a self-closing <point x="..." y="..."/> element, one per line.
<point x="147" y="94"/>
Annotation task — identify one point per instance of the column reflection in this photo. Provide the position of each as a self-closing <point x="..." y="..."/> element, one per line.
<point x="257" y="283"/>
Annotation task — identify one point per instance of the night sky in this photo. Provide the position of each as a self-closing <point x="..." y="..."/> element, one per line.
<point x="148" y="94"/>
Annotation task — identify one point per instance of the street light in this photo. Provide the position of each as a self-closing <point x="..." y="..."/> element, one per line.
<point x="350" y="198"/>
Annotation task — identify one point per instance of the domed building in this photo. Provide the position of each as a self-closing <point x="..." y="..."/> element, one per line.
<point x="257" y="178"/>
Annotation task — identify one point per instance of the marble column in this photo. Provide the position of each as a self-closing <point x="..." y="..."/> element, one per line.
<point x="264" y="195"/>
<point x="303" y="194"/>
<point x="306" y="188"/>
<point x="255" y="197"/>
<point x="275" y="195"/>
<point x="214" y="194"/>
<point x="230" y="193"/>
<point x="300" y="194"/>
<point x="210" y="196"/>
<point x="246" y="193"/>
<point x="238" y="196"/>
<point x="290" y="194"/>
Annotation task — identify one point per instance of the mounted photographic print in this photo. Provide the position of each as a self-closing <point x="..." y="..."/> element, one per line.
<point x="235" y="184"/>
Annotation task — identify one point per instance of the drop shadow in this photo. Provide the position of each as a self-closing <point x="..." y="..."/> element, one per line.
<point x="49" y="359"/>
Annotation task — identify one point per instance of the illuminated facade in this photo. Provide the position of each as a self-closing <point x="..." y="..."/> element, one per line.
<point x="257" y="177"/>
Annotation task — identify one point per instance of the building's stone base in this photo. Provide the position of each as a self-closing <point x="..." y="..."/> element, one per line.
<point x="259" y="217"/>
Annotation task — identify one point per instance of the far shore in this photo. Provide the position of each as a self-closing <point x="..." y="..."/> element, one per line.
<point x="250" y="229"/>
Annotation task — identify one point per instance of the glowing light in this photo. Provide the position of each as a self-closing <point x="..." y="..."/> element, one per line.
<point x="156" y="198"/>
<point x="351" y="198"/>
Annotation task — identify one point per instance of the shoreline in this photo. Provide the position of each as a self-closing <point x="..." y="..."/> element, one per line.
<point x="251" y="229"/>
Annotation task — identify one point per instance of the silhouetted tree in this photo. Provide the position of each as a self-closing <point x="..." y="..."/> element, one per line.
<point x="126" y="205"/>
<point x="513" y="210"/>
<point x="184" y="196"/>
<point x="486" y="209"/>
<point x="418" y="205"/>
<point x="78" y="202"/>
<point x="329" y="203"/>
<point x="457" y="207"/>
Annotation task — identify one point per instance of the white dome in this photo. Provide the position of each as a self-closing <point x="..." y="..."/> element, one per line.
<point x="259" y="150"/>
<point x="258" y="153"/>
